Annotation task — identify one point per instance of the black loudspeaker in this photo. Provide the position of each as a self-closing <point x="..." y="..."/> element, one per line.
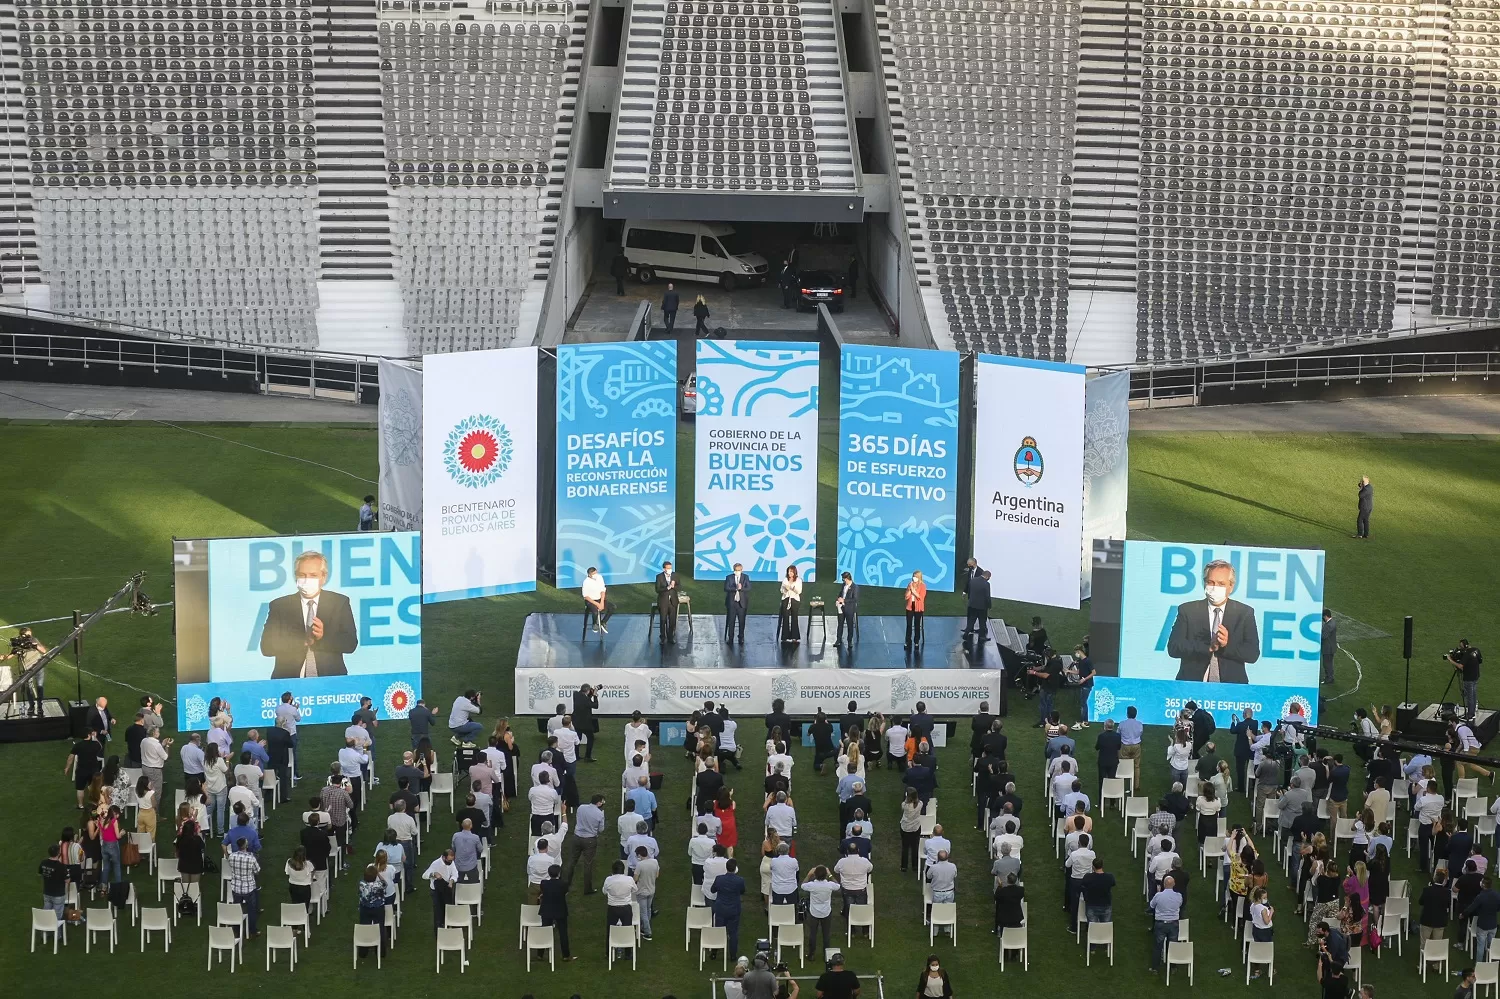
<point x="78" y="718"/>
<point x="1406" y="639"/>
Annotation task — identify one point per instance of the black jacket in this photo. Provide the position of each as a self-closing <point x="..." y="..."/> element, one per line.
<point x="663" y="579"/>
<point x="851" y="600"/>
<point x="670" y="301"/>
<point x="700" y="310"/>
<point x="979" y="593"/>
<point x="1190" y="640"/>
<point x="583" y="712"/>
<point x="554" y="901"/>
<point x="1366" y="498"/>
<point x="1108" y="748"/>
<point x="285" y="635"/>
<point x="743" y="591"/>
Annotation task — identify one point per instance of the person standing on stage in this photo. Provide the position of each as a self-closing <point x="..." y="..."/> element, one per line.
<point x="916" y="606"/>
<point x="736" y="602"/>
<point x="972" y="571"/>
<point x="666" y="602"/>
<point x="791" y="604"/>
<point x="847" y="603"/>
<point x="1466" y="661"/>
<point x="1366" y="507"/>
<point x="977" y="620"/>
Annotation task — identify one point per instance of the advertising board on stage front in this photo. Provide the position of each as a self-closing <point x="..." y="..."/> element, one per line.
<point x="616" y="460"/>
<point x="898" y="465"/>
<point x="330" y="618"/>
<point x="756" y="476"/>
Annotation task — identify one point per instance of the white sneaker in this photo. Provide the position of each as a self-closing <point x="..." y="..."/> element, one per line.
<point x="604" y="629"/>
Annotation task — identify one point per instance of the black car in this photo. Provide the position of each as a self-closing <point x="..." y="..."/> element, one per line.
<point x="820" y="288"/>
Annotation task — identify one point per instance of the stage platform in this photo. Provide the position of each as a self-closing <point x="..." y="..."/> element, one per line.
<point x="635" y="672"/>
<point x="1429" y="726"/>
<point x="18" y="726"/>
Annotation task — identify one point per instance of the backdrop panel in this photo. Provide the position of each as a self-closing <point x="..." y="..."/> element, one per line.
<point x="679" y="692"/>
<point x="1153" y="643"/>
<point x="1028" y="478"/>
<point x="756" y="459"/>
<point x="400" y="447"/>
<point x="1106" y="465"/>
<point x="616" y="460"/>
<point x="898" y="471"/>
<point x="330" y="618"/>
<point x="479" y="448"/>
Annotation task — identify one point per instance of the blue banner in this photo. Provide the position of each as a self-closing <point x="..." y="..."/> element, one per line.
<point x="1157" y="702"/>
<point x="329" y="618"/>
<point x="616" y="460"/>
<point x="756" y="460"/>
<point x="898" y="465"/>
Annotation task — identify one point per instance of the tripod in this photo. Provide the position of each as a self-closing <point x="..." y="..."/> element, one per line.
<point x="1444" y="699"/>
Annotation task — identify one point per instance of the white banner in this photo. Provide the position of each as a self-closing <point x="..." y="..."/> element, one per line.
<point x="400" y="447"/>
<point x="1028" y="478"/>
<point x="1106" y="466"/>
<point x="756" y="476"/>
<point x="673" y="693"/>
<point x="479" y="457"/>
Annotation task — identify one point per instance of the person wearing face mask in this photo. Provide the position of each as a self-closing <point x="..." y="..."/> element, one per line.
<point x="1214" y="638"/>
<point x="934" y="983"/>
<point x="310" y="631"/>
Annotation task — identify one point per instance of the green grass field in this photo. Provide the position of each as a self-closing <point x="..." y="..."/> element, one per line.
<point x="88" y="504"/>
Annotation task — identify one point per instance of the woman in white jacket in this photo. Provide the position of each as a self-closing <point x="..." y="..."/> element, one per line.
<point x="791" y="605"/>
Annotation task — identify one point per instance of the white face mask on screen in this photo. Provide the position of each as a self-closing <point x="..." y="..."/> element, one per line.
<point x="1216" y="594"/>
<point x="309" y="586"/>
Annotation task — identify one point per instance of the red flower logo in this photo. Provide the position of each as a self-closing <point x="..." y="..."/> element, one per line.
<point x="398" y="700"/>
<point x="478" y="451"/>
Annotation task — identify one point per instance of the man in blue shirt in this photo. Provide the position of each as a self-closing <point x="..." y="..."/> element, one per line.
<point x="1166" y="909"/>
<point x="847" y="783"/>
<point x="585" y="842"/>
<point x="1131" y="731"/>
<point x="256" y="747"/>
<point x="645" y="801"/>
<point x="244" y="831"/>
<point x="729" y="889"/>
<point x="1057" y="742"/>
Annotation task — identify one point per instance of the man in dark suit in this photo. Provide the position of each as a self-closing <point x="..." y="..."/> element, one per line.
<point x="1214" y="638"/>
<point x="1366" y="506"/>
<point x="100" y="720"/>
<point x="1107" y="745"/>
<point x="970" y="573"/>
<point x="977" y="621"/>
<point x="553" y="909"/>
<point x="585" y="703"/>
<point x="847" y="603"/>
<point x="729" y="891"/>
<point x="666" y="602"/>
<point x="310" y="631"/>
<point x="736" y="602"/>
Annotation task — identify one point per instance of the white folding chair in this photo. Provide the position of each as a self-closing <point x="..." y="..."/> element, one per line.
<point x="221" y="939"/>
<point x="101" y="920"/>
<point x="1261" y="953"/>
<point x="1136" y="808"/>
<point x="1356" y="964"/>
<point x="1112" y="790"/>
<point x="943" y="914"/>
<point x="294" y="914"/>
<point x="1212" y="848"/>
<point x="443" y="784"/>
<point x="146" y="847"/>
<point x="1013" y="938"/>
<point x="1138" y="836"/>
<point x="450" y="939"/>
<point x="1180" y="952"/>
<point x="471" y="895"/>
<point x="781" y="917"/>
<point x="531" y="915"/>
<point x="194" y="891"/>
<point x="540" y="938"/>
<point x="1434" y="952"/>
<point x="460" y="917"/>
<point x="154" y="919"/>
<point x="1100" y="935"/>
<point x="1125" y="770"/>
<point x="860" y="914"/>
<point x="281" y="938"/>
<point x="45" y="921"/>
<point x="166" y="873"/>
<point x="1487" y="973"/>
<point x="1390" y="931"/>
<point x="368" y="935"/>
<point x="621" y="938"/>
<point x="713" y="938"/>
<point x="698" y="918"/>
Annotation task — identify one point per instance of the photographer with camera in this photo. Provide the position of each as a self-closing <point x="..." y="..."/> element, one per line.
<point x="1466" y="660"/>
<point x="28" y="650"/>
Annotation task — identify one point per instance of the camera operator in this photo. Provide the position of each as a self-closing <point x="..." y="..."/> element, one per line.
<point x="1049" y="677"/>
<point x="28" y="650"/>
<point x="461" y="719"/>
<point x="1466" y="660"/>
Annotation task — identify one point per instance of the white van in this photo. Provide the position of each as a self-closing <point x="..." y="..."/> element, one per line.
<point x="711" y="252"/>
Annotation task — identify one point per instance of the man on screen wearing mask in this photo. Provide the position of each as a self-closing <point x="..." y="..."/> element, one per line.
<point x="1215" y="637"/>
<point x="309" y="631"/>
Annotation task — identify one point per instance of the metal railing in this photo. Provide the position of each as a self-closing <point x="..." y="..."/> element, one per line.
<point x="1186" y="385"/>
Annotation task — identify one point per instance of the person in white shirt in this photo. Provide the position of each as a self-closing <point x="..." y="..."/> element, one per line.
<point x="936" y="843"/>
<point x="626" y="823"/>
<point x="155" y="752"/>
<point x="593" y="592"/>
<point x="895" y="744"/>
<point x="853" y="872"/>
<point x="1079" y="862"/>
<point x="537" y="866"/>
<point x="785" y="874"/>
<point x="728" y="744"/>
<point x="1077" y="827"/>
<point x="352" y="763"/>
<point x="820" y="890"/>
<point x="1062" y="783"/>
<point x="554" y="839"/>
<point x="1179" y="757"/>
<point x="243" y="794"/>
<point x="461" y="718"/>
<point x="647" y="870"/>
<point x="782" y="759"/>
<point x="942" y="875"/>
<point x="1014" y="841"/>
<point x="546" y="803"/>
<point x="636" y="730"/>
<point x="1429" y="809"/>
<point x="544" y="766"/>
<point x="716" y="825"/>
<point x="567" y="743"/>
<point x="859" y="826"/>
<point x="631" y="777"/>
<point x="1161" y="865"/>
<point x="700" y="848"/>
<point x="619" y="895"/>
<point x="712" y="868"/>
<point x="442" y="874"/>
<point x="782" y="817"/>
<point x="1062" y="761"/>
<point x="640" y="838"/>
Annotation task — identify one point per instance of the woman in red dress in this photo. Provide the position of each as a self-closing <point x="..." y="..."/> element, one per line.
<point x="729" y="833"/>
